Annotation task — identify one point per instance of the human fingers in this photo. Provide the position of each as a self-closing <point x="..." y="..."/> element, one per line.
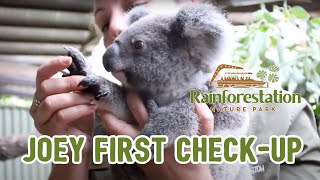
<point x="77" y="126"/>
<point x="53" y="103"/>
<point x="49" y="69"/>
<point x="59" y="85"/>
<point x="137" y="108"/>
<point x="70" y="114"/>
<point x="115" y="126"/>
<point x="206" y="119"/>
<point x="84" y="125"/>
<point x="46" y="71"/>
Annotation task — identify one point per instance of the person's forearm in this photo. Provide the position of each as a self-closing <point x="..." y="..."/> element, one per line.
<point x="71" y="171"/>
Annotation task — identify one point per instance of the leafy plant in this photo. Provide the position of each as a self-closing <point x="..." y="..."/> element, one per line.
<point x="288" y="38"/>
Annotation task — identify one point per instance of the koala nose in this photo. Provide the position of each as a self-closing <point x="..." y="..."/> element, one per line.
<point x="110" y="60"/>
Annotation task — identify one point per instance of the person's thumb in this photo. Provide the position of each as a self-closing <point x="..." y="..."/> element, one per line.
<point x="206" y="119"/>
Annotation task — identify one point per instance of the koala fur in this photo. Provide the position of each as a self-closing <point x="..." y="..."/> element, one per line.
<point x="164" y="57"/>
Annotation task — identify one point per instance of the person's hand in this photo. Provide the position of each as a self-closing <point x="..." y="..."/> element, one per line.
<point x="170" y="169"/>
<point x="62" y="109"/>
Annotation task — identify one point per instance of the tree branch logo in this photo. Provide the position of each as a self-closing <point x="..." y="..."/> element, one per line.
<point x="242" y="79"/>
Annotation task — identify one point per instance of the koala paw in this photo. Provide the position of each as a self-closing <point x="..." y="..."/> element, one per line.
<point x="78" y="66"/>
<point x="96" y="85"/>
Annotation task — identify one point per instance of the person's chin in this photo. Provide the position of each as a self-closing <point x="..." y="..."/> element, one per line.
<point x="121" y="77"/>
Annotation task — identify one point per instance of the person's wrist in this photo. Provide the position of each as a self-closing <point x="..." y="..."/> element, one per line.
<point x="87" y="148"/>
<point x="85" y="155"/>
<point x="71" y="170"/>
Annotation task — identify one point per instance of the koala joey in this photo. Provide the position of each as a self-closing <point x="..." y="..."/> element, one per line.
<point x="163" y="57"/>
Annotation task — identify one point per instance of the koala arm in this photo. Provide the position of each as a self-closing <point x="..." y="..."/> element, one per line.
<point x="109" y="95"/>
<point x="173" y="120"/>
<point x="96" y="85"/>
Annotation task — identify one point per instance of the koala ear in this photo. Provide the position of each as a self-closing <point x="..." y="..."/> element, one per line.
<point x="207" y="32"/>
<point x="137" y="13"/>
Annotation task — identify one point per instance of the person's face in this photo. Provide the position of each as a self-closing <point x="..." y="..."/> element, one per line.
<point x="109" y="16"/>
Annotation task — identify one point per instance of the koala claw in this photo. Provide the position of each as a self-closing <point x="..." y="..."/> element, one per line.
<point x="65" y="73"/>
<point x="102" y="95"/>
<point x="78" y="66"/>
<point x="95" y="85"/>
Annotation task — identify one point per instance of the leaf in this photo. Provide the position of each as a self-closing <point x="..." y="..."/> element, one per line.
<point x="292" y="85"/>
<point x="292" y="47"/>
<point x="297" y="75"/>
<point x="315" y="21"/>
<point x="244" y="40"/>
<point x="300" y="12"/>
<point x="258" y="15"/>
<point x="243" y="60"/>
<point x="318" y="68"/>
<point x="285" y="73"/>
<point x="257" y="47"/>
<point x="264" y="28"/>
<point x="280" y="48"/>
<point x="317" y="78"/>
<point x="312" y="87"/>
<point x="269" y="17"/>
<point x="274" y="41"/>
<point x="286" y="14"/>
<point x="317" y="112"/>
<point x="266" y="62"/>
<point x="306" y="66"/>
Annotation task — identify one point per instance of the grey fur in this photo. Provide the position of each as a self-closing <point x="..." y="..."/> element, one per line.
<point x="180" y="53"/>
<point x="137" y="13"/>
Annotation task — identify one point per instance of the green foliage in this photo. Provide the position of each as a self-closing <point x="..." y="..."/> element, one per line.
<point x="288" y="38"/>
<point x="299" y="12"/>
<point x="15" y="101"/>
<point x="317" y="111"/>
<point x="317" y="114"/>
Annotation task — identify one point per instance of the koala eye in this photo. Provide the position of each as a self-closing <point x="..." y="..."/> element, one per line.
<point x="138" y="44"/>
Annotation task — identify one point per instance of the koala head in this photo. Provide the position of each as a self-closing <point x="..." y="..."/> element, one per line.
<point x="165" y="53"/>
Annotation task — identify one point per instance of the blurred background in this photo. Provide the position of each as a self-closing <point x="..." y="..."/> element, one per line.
<point x="281" y="33"/>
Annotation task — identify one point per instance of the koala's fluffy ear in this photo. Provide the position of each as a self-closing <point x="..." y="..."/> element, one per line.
<point x="137" y="13"/>
<point x="207" y="32"/>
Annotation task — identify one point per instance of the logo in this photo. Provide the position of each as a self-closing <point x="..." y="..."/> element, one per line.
<point x="239" y="78"/>
<point x="242" y="79"/>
